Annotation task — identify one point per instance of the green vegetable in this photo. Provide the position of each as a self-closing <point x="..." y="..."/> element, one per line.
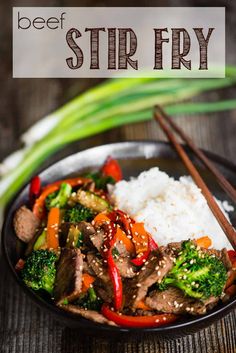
<point x="92" y="201"/>
<point x="78" y="214"/>
<point x="59" y="199"/>
<point x="100" y="181"/>
<point x="74" y="237"/>
<point x="197" y="274"/>
<point x="41" y="241"/>
<point x="90" y="300"/>
<point x="108" y="105"/>
<point x="115" y="253"/>
<point x="39" y="271"/>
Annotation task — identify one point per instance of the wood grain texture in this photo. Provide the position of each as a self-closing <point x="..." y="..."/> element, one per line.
<point x="24" y="328"/>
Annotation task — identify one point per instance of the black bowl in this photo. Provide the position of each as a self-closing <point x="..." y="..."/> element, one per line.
<point x="134" y="157"/>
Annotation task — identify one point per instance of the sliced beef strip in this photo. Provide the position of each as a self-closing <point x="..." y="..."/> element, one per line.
<point x="97" y="238"/>
<point x="174" y="301"/>
<point x="125" y="267"/>
<point x="104" y="291"/>
<point x="87" y="314"/>
<point x="123" y="263"/>
<point x="157" y="266"/>
<point x="121" y="249"/>
<point x="98" y="268"/>
<point x="25" y="224"/>
<point x="69" y="275"/>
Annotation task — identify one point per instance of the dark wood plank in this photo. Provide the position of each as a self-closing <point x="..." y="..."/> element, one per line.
<point x="24" y="327"/>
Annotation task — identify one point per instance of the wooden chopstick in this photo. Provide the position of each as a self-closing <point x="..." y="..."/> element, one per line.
<point x="222" y="220"/>
<point x="224" y="183"/>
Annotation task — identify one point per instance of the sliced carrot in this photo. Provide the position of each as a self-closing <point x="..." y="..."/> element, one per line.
<point x="87" y="280"/>
<point x="231" y="291"/>
<point x="121" y="236"/>
<point x="204" y="242"/>
<point x="53" y="228"/>
<point x="100" y="219"/>
<point x="140" y="237"/>
<point x="141" y="305"/>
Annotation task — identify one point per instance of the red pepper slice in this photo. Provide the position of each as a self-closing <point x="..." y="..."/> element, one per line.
<point x="72" y="181"/>
<point x="112" y="168"/>
<point x="138" y="321"/>
<point x="232" y="257"/>
<point x="34" y="189"/>
<point x="121" y="218"/>
<point x="39" y="205"/>
<point x="112" y="268"/>
<point x="152" y="244"/>
<point x="140" y="260"/>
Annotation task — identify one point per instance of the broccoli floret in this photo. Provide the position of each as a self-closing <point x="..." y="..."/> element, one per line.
<point x="59" y="198"/>
<point x="90" y="300"/>
<point x="100" y="181"/>
<point x="198" y="274"/>
<point x="78" y="213"/>
<point x="39" y="271"/>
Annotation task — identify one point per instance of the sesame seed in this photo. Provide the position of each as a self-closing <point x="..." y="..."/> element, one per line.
<point x="138" y="284"/>
<point x="157" y="320"/>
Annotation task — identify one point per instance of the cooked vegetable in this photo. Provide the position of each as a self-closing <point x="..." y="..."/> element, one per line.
<point x="138" y="321"/>
<point x="92" y="201"/>
<point x="87" y="281"/>
<point x="204" y="242"/>
<point x="140" y="260"/>
<point x="112" y="169"/>
<point x="52" y="241"/>
<point x="100" y="181"/>
<point x="113" y="271"/>
<point x="197" y="274"/>
<point x="60" y="198"/>
<point x="90" y="300"/>
<point x="78" y="213"/>
<point x="39" y="271"/>
<point x="39" y="206"/>
<point x="41" y="241"/>
<point x="35" y="188"/>
<point x="140" y="238"/>
<point x="74" y="237"/>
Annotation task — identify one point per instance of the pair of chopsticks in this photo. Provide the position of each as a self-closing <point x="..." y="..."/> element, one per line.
<point x="164" y="120"/>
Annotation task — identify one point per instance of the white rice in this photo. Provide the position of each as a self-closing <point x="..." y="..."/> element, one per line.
<point x="172" y="210"/>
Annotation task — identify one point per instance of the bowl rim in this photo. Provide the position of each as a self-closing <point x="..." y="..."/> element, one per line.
<point x="89" y="324"/>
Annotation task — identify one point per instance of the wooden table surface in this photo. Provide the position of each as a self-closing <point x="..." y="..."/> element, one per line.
<point x="24" y="328"/>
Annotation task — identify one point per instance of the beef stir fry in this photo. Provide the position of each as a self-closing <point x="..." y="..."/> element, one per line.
<point x="94" y="260"/>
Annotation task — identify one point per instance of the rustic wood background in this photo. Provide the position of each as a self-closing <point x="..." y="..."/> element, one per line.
<point x="23" y="327"/>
